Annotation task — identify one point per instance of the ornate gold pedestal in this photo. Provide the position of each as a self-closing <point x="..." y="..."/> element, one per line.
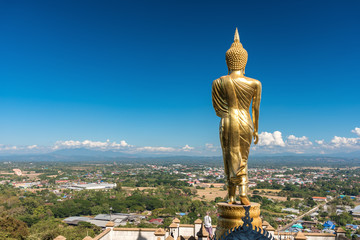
<point x="230" y="216"/>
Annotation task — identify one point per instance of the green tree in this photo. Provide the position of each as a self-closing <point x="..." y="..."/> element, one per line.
<point x="13" y="228"/>
<point x="118" y="187"/>
<point x="167" y="221"/>
<point x="342" y="219"/>
<point x="95" y="210"/>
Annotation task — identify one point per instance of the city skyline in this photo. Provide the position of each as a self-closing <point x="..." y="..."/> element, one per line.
<point x="136" y="76"/>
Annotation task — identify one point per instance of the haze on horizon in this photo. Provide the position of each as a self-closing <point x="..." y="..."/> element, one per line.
<point x="136" y="76"/>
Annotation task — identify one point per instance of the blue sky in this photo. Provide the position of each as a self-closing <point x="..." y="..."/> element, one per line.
<point x="79" y="73"/>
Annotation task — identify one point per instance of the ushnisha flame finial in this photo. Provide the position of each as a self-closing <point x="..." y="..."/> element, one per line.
<point x="236" y="36"/>
<point x="236" y="56"/>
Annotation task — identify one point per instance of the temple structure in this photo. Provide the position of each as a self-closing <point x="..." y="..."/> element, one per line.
<point x="196" y="231"/>
<point x="232" y="95"/>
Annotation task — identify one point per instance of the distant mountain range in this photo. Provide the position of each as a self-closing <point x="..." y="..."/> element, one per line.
<point x="355" y="154"/>
<point x="284" y="159"/>
<point x="89" y="153"/>
<point x="85" y="152"/>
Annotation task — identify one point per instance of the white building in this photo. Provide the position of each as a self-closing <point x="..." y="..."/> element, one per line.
<point x="91" y="186"/>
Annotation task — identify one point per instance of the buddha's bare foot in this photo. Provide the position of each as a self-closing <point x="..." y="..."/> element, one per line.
<point x="244" y="200"/>
<point x="232" y="200"/>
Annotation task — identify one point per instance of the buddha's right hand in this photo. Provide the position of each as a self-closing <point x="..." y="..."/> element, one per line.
<point x="256" y="137"/>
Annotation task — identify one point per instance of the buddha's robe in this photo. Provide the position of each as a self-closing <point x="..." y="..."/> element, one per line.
<point x="231" y="100"/>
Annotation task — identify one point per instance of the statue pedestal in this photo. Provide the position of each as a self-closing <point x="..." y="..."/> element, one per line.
<point x="230" y="216"/>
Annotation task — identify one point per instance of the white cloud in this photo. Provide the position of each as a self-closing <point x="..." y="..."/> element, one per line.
<point x="211" y="147"/>
<point x="156" y="149"/>
<point x="32" y="147"/>
<point x="121" y="146"/>
<point x="271" y="139"/>
<point x="298" y="141"/>
<point x="268" y="143"/>
<point x="187" y="148"/>
<point x="356" y="131"/>
<point x="274" y="143"/>
<point x="10" y="148"/>
<point x="107" y="145"/>
<point x="341" y="142"/>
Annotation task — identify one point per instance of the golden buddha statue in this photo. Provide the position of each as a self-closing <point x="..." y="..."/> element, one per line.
<point x="231" y="96"/>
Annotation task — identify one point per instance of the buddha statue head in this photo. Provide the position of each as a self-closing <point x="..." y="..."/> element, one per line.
<point x="236" y="56"/>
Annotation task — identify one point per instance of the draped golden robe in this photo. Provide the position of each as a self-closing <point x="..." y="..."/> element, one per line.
<point x="231" y="100"/>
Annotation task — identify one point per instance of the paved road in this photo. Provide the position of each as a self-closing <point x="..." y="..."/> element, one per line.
<point x="301" y="216"/>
